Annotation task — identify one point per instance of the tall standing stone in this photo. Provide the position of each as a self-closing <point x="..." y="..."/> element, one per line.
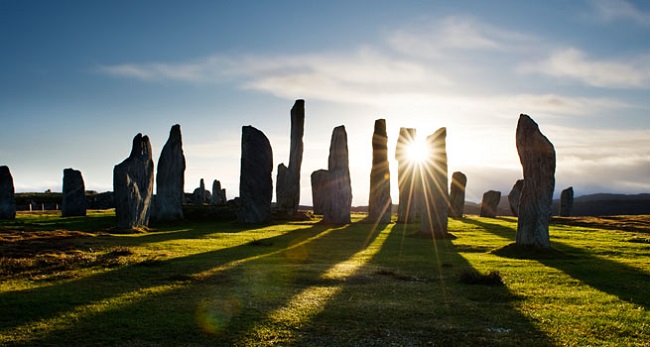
<point x="434" y="207"/>
<point x="338" y="200"/>
<point x="7" y="194"/>
<point x="74" y="194"/>
<point x="217" y="196"/>
<point x="490" y="203"/>
<point x="537" y="156"/>
<point x="288" y="179"/>
<point x="457" y="194"/>
<point x="379" y="202"/>
<point x="255" y="182"/>
<point x="566" y="202"/>
<point x="318" y="192"/>
<point x="133" y="186"/>
<point x="513" y="197"/>
<point x="170" y="179"/>
<point x="408" y="177"/>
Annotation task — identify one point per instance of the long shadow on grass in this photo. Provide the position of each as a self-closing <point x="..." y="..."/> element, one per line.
<point x="625" y="282"/>
<point x="408" y="294"/>
<point x="218" y="297"/>
<point x="32" y="305"/>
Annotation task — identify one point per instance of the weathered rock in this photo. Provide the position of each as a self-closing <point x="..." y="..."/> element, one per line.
<point x="490" y="203"/>
<point x="133" y="186"/>
<point x="318" y="191"/>
<point x="288" y="179"/>
<point x="379" y="201"/>
<point x="338" y="201"/>
<point x="7" y="197"/>
<point x="255" y="182"/>
<point x="200" y="194"/>
<point x="408" y="178"/>
<point x="170" y="179"/>
<point x="537" y="156"/>
<point x="435" y="203"/>
<point x="74" y="197"/>
<point x="513" y="197"/>
<point x="566" y="202"/>
<point x="457" y="194"/>
<point x="218" y="194"/>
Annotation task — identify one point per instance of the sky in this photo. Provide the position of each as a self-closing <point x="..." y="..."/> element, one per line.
<point x="79" y="79"/>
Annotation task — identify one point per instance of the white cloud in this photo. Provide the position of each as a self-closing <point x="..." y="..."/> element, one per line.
<point x="573" y="64"/>
<point x="613" y="10"/>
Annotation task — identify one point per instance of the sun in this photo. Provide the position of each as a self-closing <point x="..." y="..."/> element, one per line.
<point x="417" y="151"/>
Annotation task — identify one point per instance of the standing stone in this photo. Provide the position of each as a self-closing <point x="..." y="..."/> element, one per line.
<point x="408" y="177"/>
<point x="513" y="197"/>
<point x="288" y="180"/>
<point x="7" y="197"/>
<point x="566" y="202"/>
<point x="74" y="194"/>
<point x="133" y="186"/>
<point x="379" y="202"/>
<point x="338" y="188"/>
<point x="434" y="206"/>
<point x="217" y="197"/>
<point x="199" y="194"/>
<point x="255" y="182"/>
<point x="318" y="193"/>
<point x="537" y="156"/>
<point x="170" y="179"/>
<point x="490" y="203"/>
<point x="457" y="194"/>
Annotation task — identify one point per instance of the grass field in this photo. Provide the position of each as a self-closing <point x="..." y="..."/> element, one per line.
<point x="69" y="281"/>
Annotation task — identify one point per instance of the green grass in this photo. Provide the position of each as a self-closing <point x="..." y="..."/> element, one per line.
<point x="70" y="281"/>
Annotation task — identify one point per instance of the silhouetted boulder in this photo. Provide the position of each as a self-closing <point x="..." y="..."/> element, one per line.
<point x="490" y="203"/>
<point x="379" y="202"/>
<point x="288" y="179"/>
<point x="408" y="178"/>
<point x="200" y="195"/>
<point x="218" y="194"/>
<point x="435" y="198"/>
<point x="513" y="197"/>
<point x="537" y="156"/>
<point x="457" y="194"/>
<point x="566" y="202"/>
<point x="74" y="197"/>
<point x="170" y="179"/>
<point x="318" y="193"/>
<point x="338" y="190"/>
<point x="7" y="194"/>
<point x="133" y="186"/>
<point x="255" y="182"/>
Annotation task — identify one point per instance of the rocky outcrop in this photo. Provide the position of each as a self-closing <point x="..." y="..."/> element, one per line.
<point x="513" y="197"/>
<point x="170" y="179"/>
<point x="566" y="202"/>
<point x="133" y="186"/>
<point x="74" y="197"/>
<point x="7" y="194"/>
<point x="379" y="201"/>
<point x="338" y="188"/>
<point x="537" y="156"/>
<point x="408" y="178"/>
<point x="490" y="203"/>
<point x="318" y="190"/>
<point x="435" y="202"/>
<point x="288" y="178"/>
<point x="457" y="194"/>
<point x="255" y="182"/>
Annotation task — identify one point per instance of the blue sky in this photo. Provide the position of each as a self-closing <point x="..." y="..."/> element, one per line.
<point x="78" y="79"/>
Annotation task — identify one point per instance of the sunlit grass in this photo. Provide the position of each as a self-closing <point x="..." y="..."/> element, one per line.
<point x="303" y="283"/>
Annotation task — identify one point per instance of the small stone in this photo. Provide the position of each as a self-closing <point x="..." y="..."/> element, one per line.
<point x="457" y="194"/>
<point x="7" y="194"/>
<point x="513" y="197"/>
<point x="255" y="182"/>
<point x="74" y="197"/>
<point x="490" y="203"/>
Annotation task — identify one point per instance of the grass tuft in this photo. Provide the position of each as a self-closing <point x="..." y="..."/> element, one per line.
<point x="471" y="276"/>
